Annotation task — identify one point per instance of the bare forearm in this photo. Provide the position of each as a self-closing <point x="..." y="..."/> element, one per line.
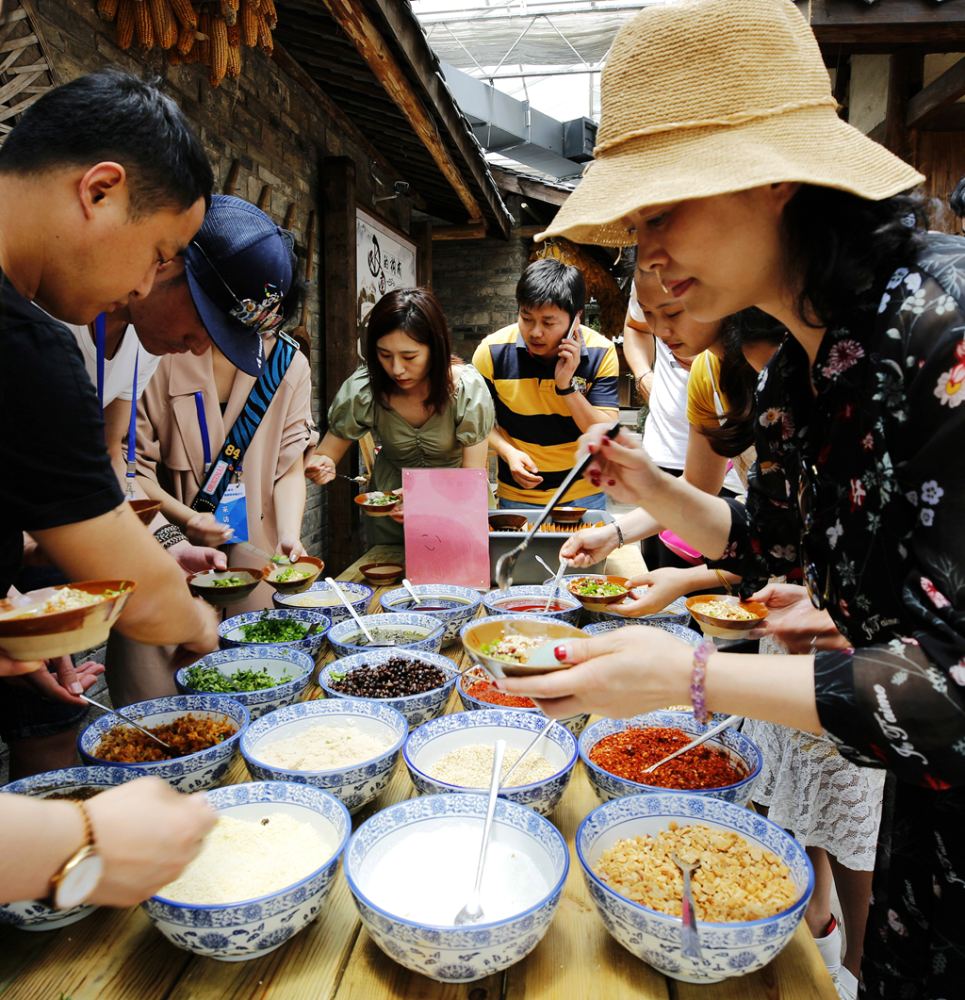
<point x="38" y="837"/>
<point x="586" y="414"/>
<point x="289" y="498"/>
<point x="638" y="349"/>
<point x="637" y="525"/>
<point x="333" y="446"/>
<point x="500" y="444"/>
<point x="475" y="456"/>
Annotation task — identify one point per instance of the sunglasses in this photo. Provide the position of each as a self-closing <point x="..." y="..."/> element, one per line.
<point x="820" y="596"/>
<point x="260" y="317"/>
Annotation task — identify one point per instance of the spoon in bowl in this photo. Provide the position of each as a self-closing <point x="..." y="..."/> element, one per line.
<point x="690" y="942"/>
<point x="130" y="722"/>
<point x="338" y="590"/>
<point x="731" y="720"/>
<point x="529" y="749"/>
<point x="556" y="584"/>
<point x="472" y="912"/>
<point x="415" y="597"/>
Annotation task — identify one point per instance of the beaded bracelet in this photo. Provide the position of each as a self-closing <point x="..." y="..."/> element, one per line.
<point x="697" y="677"/>
<point x="619" y="533"/>
<point x="169" y="534"/>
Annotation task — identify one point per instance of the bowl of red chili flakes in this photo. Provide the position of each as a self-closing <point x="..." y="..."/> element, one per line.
<point x="617" y="751"/>
<point x="205" y="728"/>
<point x="477" y="692"/>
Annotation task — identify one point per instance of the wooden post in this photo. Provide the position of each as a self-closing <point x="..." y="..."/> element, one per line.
<point x="904" y="80"/>
<point x="337" y="340"/>
<point x="422" y="236"/>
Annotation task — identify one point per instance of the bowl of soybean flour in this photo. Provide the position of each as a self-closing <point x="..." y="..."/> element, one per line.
<point x="348" y="747"/>
<point x="263" y="874"/>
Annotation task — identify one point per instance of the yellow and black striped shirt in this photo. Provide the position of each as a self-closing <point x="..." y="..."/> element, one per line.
<point x="534" y="417"/>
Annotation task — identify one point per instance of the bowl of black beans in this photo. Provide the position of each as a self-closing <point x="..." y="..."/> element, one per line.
<point x="416" y="684"/>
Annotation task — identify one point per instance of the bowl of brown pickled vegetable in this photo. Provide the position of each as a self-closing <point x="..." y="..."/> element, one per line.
<point x="202" y="729"/>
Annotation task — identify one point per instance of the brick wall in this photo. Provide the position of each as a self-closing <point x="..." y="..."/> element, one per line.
<point x="475" y="280"/>
<point x="264" y="120"/>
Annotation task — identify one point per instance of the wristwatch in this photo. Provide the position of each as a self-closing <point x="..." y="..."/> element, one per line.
<point x="75" y="880"/>
<point x="565" y="392"/>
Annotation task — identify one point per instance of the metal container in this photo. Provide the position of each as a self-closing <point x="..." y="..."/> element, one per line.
<point x="545" y="544"/>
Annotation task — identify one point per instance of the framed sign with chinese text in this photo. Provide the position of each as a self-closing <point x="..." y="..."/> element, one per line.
<point x="386" y="260"/>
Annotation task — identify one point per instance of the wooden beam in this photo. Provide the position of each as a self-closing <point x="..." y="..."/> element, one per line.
<point x="904" y="22"/>
<point x="514" y="184"/>
<point x="294" y="69"/>
<point x="339" y="335"/>
<point x="421" y="233"/>
<point x="476" y="232"/>
<point x="941" y="92"/>
<point x="358" y="26"/>
<point x="951" y="118"/>
<point x="904" y="79"/>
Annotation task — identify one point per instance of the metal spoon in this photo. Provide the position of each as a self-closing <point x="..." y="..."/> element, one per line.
<point x="556" y="584"/>
<point x="472" y="912"/>
<point x="130" y="722"/>
<point x="689" y="940"/>
<point x="544" y="564"/>
<point x="338" y="590"/>
<point x="731" y="720"/>
<point x="264" y="555"/>
<point x="415" y="597"/>
<point x="539" y="736"/>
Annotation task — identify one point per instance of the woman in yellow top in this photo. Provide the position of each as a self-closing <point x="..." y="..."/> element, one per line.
<point x="427" y="408"/>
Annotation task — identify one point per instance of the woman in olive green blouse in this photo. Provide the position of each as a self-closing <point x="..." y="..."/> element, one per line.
<point x="427" y="408"/>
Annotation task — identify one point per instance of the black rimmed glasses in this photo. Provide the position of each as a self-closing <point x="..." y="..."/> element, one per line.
<point x="807" y="477"/>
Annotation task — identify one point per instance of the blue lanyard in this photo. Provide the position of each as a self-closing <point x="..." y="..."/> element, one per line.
<point x="203" y="423"/>
<point x="132" y="430"/>
<point x="100" y="331"/>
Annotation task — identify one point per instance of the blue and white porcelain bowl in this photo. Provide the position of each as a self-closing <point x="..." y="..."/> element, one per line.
<point x="342" y="637"/>
<point x="688" y="635"/>
<point x="277" y="661"/>
<point x="192" y="773"/>
<point x="729" y="949"/>
<point x="319" y="597"/>
<point x="535" y="594"/>
<point x="444" y="952"/>
<point x="417" y="708"/>
<point x="31" y="914"/>
<point x="737" y="746"/>
<point x="675" y="613"/>
<point x="434" y="739"/>
<point x="354" y="785"/>
<point x="575" y="723"/>
<point x="236" y="932"/>
<point x="232" y="635"/>
<point x="465" y="603"/>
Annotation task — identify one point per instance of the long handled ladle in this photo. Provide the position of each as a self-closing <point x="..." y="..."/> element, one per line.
<point x="529" y="749"/>
<point x="130" y="722"/>
<point x="731" y="720"/>
<point x="338" y="590"/>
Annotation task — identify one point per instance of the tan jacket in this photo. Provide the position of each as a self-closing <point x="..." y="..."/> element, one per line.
<point x="169" y="448"/>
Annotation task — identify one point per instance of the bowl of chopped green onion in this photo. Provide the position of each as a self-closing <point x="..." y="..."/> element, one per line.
<point x="296" y="628"/>
<point x="222" y="587"/>
<point x="261" y="678"/>
<point x="296" y="577"/>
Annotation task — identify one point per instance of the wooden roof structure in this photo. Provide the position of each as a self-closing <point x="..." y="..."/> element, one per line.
<point x="368" y="64"/>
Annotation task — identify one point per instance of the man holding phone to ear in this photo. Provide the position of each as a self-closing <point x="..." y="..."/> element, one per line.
<point x="551" y="379"/>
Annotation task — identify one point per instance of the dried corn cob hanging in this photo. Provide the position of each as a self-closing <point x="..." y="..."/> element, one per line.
<point x="165" y="26"/>
<point x="219" y="51"/>
<point x="107" y="9"/>
<point x="203" y="45"/>
<point x="234" y="54"/>
<point x="125" y="23"/>
<point x="249" y="23"/>
<point x="142" y="25"/>
<point x="185" y="13"/>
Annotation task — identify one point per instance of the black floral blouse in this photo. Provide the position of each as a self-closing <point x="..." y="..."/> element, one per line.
<point x="865" y="481"/>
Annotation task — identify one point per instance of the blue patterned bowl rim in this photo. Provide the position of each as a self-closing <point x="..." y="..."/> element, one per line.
<point x="433" y="590"/>
<point x="529" y="590"/>
<point x="300" y="614"/>
<point x="365" y="594"/>
<point x="390" y="619"/>
<point x="508" y="718"/>
<point x="355" y="660"/>
<point x="687" y="635"/>
<point x="675" y="609"/>
<point x="607" y="727"/>
<point x="217" y="796"/>
<point x="221" y="703"/>
<point x="698" y="804"/>
<point x="96" y="775"/>
<point x="504" y="807"/>
<point x="356" y="707"/>
<point x="251" y="651"/>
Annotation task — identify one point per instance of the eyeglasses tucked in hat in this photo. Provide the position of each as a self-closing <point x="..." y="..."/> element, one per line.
<point x="239" y="268"/>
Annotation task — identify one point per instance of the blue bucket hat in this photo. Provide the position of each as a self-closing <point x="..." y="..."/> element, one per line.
<point x="239" y="267"/>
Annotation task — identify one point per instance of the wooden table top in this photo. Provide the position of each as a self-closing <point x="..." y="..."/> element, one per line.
<point x="118" y="955"/>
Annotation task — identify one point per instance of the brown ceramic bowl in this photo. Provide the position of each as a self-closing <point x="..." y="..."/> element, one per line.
<point x="567" y="515"/>
<point x="145" y="509"/>
<point x="58" y="633"/>
<point x="507" y="522"/>
<point x="485" y="631"/>
<point x="726" y="628"/>
<point x="597" y="603"/>
<point x="382" y="574"/>
<point x="202" y="584"/>
<point x="375" y="509"/>
<point x="307" y="564"/>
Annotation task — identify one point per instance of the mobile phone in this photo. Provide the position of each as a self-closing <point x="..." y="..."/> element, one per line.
<point x="574" y="326"/>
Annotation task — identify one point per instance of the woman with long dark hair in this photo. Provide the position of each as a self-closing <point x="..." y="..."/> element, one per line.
<point x="721" y="151"/>
<point x="428" y="408"/>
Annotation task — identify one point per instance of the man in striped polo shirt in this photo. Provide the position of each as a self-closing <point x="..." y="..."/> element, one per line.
<point x="548" y="388"/>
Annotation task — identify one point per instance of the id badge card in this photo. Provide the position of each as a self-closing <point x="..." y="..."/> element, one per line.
<point x="233" y="512"/>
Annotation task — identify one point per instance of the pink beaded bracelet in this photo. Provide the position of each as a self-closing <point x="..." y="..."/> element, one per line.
<point x="697" y="677"/>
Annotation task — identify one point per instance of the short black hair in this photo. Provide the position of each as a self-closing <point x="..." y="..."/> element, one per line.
<point x="550" y="282"/>
<point x="956" y="200"/>
<point x="112" y="115"/>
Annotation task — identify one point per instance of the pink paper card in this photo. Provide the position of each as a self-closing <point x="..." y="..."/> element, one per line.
<point x="446" y="526"/>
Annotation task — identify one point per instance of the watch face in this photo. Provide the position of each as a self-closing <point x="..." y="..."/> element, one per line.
<point x="79" y="882"/>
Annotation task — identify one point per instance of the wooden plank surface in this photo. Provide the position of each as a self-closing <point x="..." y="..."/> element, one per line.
<point x="118" y="954"/>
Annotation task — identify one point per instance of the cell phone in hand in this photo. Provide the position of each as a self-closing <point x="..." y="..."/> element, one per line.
<point x="573" y="331"/>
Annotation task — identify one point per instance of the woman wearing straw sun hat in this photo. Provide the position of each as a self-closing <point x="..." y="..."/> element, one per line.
<point x="721" y="148"/>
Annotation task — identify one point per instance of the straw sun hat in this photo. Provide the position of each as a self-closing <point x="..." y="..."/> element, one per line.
<point x="706" y="97"/>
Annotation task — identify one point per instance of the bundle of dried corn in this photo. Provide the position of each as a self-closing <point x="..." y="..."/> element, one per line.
<point x="211" y="31"/>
